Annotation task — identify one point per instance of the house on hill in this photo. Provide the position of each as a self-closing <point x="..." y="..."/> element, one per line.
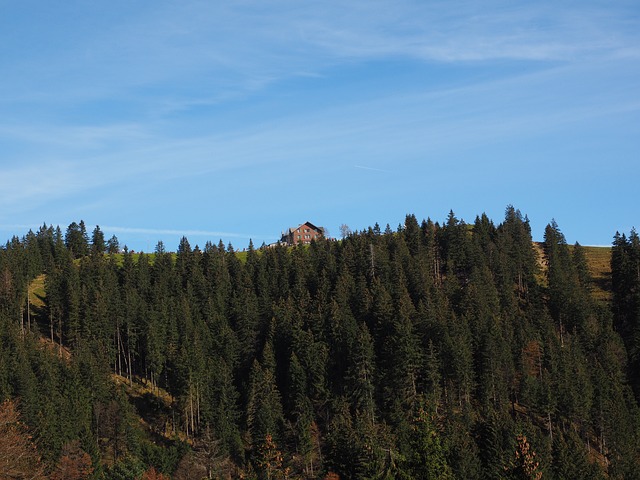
<point x="304" y="233"/>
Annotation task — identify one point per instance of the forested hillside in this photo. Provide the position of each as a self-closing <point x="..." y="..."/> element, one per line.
<point x="431" y="350"/>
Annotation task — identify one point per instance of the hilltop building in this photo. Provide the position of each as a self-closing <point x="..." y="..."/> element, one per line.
<point x="304" y="233"/>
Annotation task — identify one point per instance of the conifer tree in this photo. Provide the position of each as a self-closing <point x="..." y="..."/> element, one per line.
<point x="427" y="457"/>
<point x="76" y="239"/>
<point x="264" y="407"/>
<point x="113" y="245"/>
<point x="98" y="245"/>
<point x="360" y="375"/>
<point x="301" y="414"/>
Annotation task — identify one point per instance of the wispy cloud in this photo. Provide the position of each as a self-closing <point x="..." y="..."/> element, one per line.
<point x="35" y="184"/>
<point x="222" y="48"/>
<point x="379" y="132"/>
<point x="85" y="137"/>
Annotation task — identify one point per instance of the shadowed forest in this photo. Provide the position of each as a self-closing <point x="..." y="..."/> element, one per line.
<point x="429" y="351"/>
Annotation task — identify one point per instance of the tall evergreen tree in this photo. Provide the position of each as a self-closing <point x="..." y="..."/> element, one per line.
<point x="76" y="239"/>
<point x="98" y="245"/>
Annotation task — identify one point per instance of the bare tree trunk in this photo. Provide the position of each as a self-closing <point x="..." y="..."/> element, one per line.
<point x="122" y="357"/>
<point x="115" y="360"/>
<point x="119" y="346"/>
<point x="28" y="311"/>
<point x="191" y="407"/>
<point x="130" y="366"/>
<point x="60" y="335"/>
<point x="373" y="266"/>
<point x="129" y="355"/>
<point x="198" y="404"/>
<point x="97" y="427"/>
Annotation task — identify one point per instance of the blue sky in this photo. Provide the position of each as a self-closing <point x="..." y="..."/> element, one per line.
<point x="235" y="120"/>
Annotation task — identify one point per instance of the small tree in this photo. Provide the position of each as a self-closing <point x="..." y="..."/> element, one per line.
<point x="270" y="460"/>
<point x="113" y="245"/>
<point x="525" y="465"/>
<point x="345" y="231"/>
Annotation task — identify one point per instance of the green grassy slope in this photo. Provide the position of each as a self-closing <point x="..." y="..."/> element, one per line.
<point x="599" y="260"/>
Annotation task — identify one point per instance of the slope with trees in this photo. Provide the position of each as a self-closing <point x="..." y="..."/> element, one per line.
<point x="428" y="351"/>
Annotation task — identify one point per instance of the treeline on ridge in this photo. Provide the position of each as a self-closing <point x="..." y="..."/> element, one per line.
<point x="434" y="350"/>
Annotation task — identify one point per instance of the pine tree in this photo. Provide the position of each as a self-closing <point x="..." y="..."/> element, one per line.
<point x="403" y="361"/>
<point x="427" y="457"/>
<point x="76" y="239"/>
<point x="98" y="245"/>
<point x="300" y="408"/>
<point x="113" y="245"/>
<point x="264" y="408"/>
<point x="625" y="276"/>
<point x="360" y="375"/>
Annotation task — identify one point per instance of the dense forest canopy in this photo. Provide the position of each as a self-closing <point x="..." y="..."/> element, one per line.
<point x="448" y="350"/>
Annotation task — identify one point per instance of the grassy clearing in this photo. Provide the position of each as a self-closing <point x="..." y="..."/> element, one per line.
<point x="151" y="257"/>
<point x="37" y="293"/>
<point x="541" y="276"/>
<point x="599" y="261"/>
<point x="119" y="257"/>
<point x="154" y="407"/>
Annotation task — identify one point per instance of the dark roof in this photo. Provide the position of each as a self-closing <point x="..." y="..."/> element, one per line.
<point x="312" y="226"/>
<point x="291" y="229"/>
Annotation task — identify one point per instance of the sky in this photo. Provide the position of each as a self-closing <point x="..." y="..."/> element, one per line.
<point x="234" y="120"/>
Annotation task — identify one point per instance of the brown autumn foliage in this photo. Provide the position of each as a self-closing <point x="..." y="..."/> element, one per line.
<point x="74" y="463"/>
<point x="152" y="474"/>
<point x="271" y="460"/>
<point x="19" y="457"/>
<point x="526" y="465"/>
